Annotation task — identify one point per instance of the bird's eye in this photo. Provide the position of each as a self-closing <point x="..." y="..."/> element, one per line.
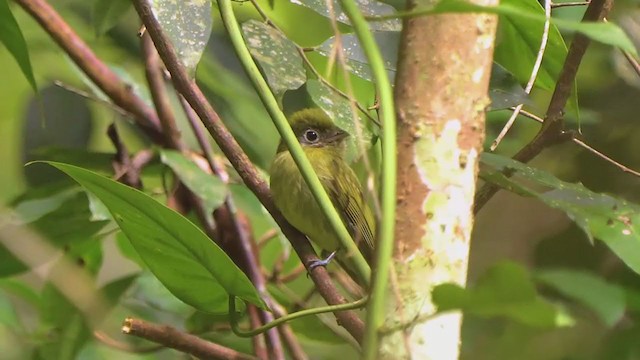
<point x="311" y="136"/>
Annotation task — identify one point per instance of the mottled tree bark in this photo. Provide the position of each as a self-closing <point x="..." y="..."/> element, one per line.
<point x="441" y="97"/>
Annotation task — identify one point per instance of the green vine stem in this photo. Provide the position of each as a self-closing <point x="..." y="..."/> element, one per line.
<point x="384" y="246"/>
<point x="281" y="123"/>
<point x="233" y="320"/>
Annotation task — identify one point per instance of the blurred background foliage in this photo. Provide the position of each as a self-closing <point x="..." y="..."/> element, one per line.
<point x="520" y="246"/>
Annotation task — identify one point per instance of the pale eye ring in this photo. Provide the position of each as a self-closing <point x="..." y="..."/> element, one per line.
<point x="311" y="136"/>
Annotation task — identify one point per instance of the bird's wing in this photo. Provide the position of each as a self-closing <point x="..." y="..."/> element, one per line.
<point x="353" y="208"/>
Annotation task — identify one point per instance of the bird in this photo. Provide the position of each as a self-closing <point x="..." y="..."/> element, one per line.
<point x="324" y="144"/>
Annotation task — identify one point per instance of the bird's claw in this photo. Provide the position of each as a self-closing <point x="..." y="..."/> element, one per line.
<point x="324" y="262"/>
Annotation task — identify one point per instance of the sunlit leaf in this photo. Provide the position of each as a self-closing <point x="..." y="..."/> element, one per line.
<point x="183" y="258"/>
<point x="605" y="299"/>
<point x="11" y="37"/>
<point x="277" y="55"/>
<point x="388" y="42"/>
<point x="367" y="7"/>
<point x="613" y="221"/>
<point x="188" y="24"/>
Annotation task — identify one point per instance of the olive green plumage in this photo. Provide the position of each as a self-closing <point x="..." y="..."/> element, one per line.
<point x="324" y="144"/>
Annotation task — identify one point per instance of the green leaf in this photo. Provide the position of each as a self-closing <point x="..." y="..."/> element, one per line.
<point x="208" y="187"/>
<point x="339" y="110"/>
<point x="518" y="42"/>
<point x="178" y="253"/>
<point x="614" y="221"/>
<point x="607" y="33"/>
<point x="107" y="13"/>
<point x="188" y="26"/>
<point x="367" y="7"/>
<point x="505" y="290"/>
<point x="11" y="37"/>
<point x="504" y="89"/>
<point x="277" y="55"/>
<point x="606" y="300"/>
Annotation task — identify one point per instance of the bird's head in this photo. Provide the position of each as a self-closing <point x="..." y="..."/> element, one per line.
<point x="314" y="129"/>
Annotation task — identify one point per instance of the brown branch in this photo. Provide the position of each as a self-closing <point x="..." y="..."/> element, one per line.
<point x="552" y="130"/>
<point x="123" y="168"/>
<point x="532" y="77"/>
<point x="105" y="339"/>
<point x="172" y="338"/>
<point x="231" y="234"/>
<point x="194" y="96"/>
<point x="120" y="92"/>
<point x="235" y="236"/>
<point x="159" y="95"/>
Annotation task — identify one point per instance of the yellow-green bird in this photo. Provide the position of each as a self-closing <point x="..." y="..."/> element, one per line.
<point x="324" y="144"/>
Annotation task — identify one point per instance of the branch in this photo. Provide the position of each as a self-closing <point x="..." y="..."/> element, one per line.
<point x="194" y="96"/>
<point x="589" y="148"/>
<point x="172" y="338"/>
<point x="552" y="130"/>
<point x="532" y="77"/>
<point x="119" y="91"/>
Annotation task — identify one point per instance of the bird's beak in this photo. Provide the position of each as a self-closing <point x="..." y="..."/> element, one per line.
<point x="338" y="135"/>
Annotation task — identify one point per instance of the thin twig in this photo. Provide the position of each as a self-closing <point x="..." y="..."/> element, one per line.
<point x="532" y="77"/>
<point x="123" y="346"/>
<point x="630" y="58"/>
<point x="589" y="148"/>
<point x="552" y="130"/>
<point x="247" y="171"/>
<point x="172" y="338"/>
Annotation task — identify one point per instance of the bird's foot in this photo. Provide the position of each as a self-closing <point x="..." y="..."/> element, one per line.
<point x="314" y="264"/>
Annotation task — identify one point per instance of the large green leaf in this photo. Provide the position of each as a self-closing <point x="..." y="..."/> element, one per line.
<point x="208" y="187"/>
<point x="606" y="300"/>
<point x="11" y="37"/>
<point x="614" y="221"/>
<point x="505" y="290"/>
<point x="277" y="56"/>
<point x="188" y="24"/>
<point x="178" y="253"/>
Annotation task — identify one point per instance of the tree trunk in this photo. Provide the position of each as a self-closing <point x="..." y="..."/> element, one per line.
<point x="441" y="96"/>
